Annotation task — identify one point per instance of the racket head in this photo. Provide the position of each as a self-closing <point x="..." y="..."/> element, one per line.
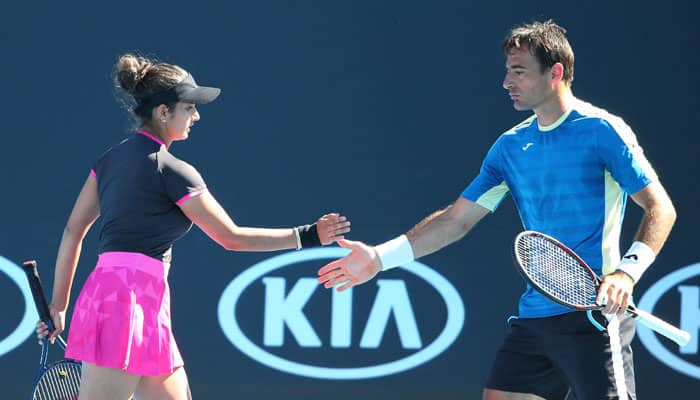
<point x="60" y="380"/>
<point x="556" y="271"/>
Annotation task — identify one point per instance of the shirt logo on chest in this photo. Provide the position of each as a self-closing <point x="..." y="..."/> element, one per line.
<point x="527" y="146"/>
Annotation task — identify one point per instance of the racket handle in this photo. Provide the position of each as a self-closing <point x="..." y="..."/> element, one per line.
<point x="42" y="306"/>
<point x="660" y="326"/>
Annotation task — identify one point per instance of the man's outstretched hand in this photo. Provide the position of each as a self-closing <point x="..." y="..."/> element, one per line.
<point x="361" y="265"/>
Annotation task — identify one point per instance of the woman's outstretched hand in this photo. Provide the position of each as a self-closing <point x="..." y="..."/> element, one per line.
<point x="332" y="227"/>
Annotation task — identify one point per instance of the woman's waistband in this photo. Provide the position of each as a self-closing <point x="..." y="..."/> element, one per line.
<point x="135" y="261"/>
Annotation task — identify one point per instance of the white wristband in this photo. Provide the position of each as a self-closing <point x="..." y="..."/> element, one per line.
<point x="395" y="252"/>
<point x="637" y="259"/>
<point x="296" y="233"/>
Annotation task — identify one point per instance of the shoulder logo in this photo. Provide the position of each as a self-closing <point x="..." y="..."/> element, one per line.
<point x="527" y="146"/>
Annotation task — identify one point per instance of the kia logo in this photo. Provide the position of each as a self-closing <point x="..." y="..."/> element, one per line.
<point x="284" y="307"/>
<point x="689" y="318"/>
<point x="28" y="322"/>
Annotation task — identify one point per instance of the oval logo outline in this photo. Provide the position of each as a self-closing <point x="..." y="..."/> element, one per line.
<point x="232" y="331"/>
<point x="649" y="338"/>
<point x="28" y="322"/>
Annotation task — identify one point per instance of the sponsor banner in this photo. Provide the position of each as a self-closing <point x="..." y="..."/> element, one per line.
<point x="397" y="306"/>
<point x="676" y="285"/>
<point x="28" y="321"/>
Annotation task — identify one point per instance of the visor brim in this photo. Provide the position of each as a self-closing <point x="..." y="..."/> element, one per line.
<point x="200" y="95"/>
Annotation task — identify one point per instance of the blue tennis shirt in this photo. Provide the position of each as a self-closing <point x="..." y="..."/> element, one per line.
<point x="569" y="180"/>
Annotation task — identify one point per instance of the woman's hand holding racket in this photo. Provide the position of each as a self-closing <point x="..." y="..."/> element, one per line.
<point x="58" y="319"/>
<point x="59" y="380"/>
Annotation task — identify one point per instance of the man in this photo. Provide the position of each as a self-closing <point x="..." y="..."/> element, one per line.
<point x="570" y="168"/>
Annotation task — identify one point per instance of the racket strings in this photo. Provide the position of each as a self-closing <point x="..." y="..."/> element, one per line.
<point x="556" y="271"/>
<point x="60" y="381"/>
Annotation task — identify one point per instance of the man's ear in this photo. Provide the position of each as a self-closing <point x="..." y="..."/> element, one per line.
<point x="557" y="73"/>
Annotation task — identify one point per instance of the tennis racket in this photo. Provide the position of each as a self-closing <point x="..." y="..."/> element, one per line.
<point x="59" y="380"/>
<point x="561" y="275"/>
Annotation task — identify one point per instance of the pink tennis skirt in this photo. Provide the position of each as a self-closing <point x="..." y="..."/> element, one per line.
<point x="122" y="316"/>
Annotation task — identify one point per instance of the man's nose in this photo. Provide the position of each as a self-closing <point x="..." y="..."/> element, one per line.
<point x="507" y="83"/>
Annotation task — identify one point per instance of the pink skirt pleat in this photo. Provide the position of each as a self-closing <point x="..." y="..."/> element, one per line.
<point x="121" y="318"/>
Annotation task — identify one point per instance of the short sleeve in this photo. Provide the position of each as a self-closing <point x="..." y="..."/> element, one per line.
<point x="623" y="157"/>
<point x="94" y="169"/>
<point x="181" y="180"/>
<point x="489" y="188"/>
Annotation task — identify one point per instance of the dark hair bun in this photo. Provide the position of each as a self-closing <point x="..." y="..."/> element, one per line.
<point x="131" y="70"/>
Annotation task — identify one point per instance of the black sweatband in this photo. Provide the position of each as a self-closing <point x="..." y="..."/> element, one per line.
<point x="309" y="236"/>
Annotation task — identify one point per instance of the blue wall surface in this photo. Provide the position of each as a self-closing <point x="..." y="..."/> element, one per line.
<point x="381" y="110"/>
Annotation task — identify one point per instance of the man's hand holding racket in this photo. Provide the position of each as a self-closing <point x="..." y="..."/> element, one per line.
<point x="615" y="292"/>
<point x="556" y="271"/>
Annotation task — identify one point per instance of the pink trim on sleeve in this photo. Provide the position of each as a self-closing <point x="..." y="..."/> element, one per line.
<point x="190" y="195"/>
<point x="93" y="174"/>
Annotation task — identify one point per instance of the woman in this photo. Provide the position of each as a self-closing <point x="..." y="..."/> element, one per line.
<point x="147" y="199"/>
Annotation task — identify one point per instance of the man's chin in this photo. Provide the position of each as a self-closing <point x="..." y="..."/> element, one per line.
<point x="520" y="106"/>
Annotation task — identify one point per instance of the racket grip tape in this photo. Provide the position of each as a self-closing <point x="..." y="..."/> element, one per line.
<point x="42" y="307"/>
<point x="662" y="327"/>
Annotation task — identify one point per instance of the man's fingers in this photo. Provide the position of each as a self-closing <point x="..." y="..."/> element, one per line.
<point x="334" y="274"/>
<point x="348" y="284"/>
<point x="610" y="305"/>
<point x="348" y="244"/>
<point x="330" y="267"/>
<point x="624" y="303"/>
<point x="332" y="283"/>
<point x="615" y="300"/>
<point x="621" y="298"/>
<point x="602" y="294"/>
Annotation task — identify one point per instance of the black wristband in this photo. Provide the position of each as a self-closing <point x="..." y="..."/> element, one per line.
<point x="308" y="235"/>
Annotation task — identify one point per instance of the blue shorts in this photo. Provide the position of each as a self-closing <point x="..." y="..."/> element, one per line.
<point x="567" y="354"/>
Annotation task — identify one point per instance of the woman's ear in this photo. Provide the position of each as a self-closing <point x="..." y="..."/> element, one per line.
<point x="160" y="113"/>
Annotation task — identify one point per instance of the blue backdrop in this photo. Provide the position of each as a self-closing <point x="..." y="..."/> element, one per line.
<point x="381" y="110"/>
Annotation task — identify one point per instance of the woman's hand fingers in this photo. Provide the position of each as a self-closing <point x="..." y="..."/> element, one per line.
<point x="42" y="330"/>
<point x="332" y="227"/>
<point x="57" y="320"/>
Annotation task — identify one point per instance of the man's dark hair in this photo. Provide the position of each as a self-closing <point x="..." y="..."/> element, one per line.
<point x="547" y="42"/>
